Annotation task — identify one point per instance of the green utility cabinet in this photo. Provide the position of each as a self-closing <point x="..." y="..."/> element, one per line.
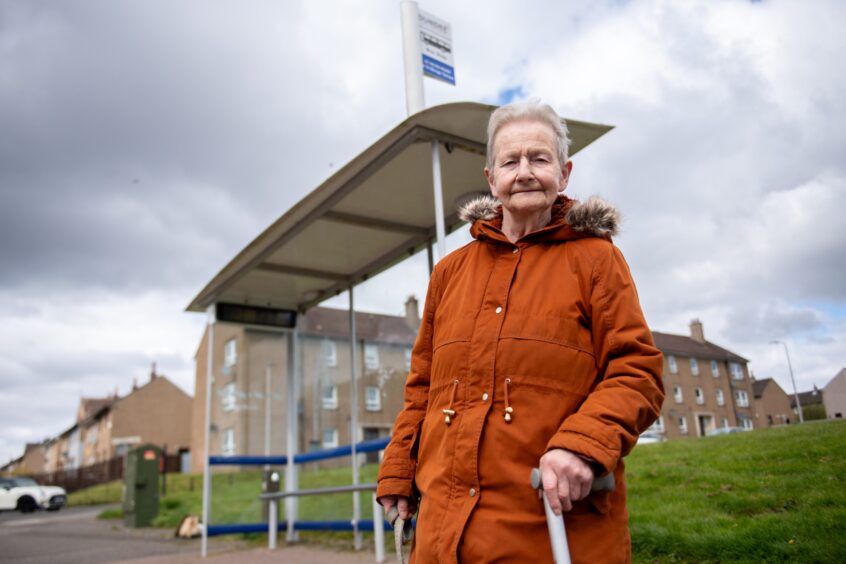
<point x="141" y="486"/>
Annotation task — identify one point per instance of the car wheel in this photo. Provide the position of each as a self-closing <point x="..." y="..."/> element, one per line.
<point x="27" y="505"/>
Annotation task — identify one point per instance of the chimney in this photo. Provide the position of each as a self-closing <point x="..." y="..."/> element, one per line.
<point x="412" y="315"/>
<point x="153" y="372"/>
<point x="134" y="383"/>
<point x="696" y="331"/>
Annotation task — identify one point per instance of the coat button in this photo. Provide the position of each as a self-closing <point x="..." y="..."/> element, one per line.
<point x="485" y="396"/>
<point x="472" y="492"/>
<point x="499" y="309"/>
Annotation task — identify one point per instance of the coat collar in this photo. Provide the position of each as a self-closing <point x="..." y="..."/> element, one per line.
<point x="571" y="220"/>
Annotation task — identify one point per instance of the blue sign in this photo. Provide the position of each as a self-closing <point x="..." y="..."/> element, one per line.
<point x="439" y="70"/>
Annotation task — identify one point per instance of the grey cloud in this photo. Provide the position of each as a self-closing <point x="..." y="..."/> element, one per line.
<point x="765" y="322"/>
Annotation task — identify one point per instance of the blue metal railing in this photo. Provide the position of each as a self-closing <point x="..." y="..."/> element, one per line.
<point x="374" y="445"/>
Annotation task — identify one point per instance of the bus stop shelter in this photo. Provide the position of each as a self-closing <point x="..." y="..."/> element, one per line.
<point x="374" y="212"/>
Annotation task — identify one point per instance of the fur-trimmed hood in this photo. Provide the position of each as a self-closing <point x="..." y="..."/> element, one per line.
<point x="594" y="217"/>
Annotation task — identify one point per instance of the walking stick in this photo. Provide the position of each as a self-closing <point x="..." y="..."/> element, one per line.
<point x="555" y="523"/>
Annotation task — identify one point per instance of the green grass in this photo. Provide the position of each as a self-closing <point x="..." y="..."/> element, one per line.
<point x="772" y="495"/>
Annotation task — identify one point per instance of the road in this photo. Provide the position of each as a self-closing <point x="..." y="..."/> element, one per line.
<point x="75" y="535"/>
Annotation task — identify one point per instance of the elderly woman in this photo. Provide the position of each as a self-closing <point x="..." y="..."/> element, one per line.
<point x="532" y="352"/>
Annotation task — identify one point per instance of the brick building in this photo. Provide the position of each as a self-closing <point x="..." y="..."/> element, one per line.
<point x="707" y="386"/>
<point x="242" y="357"/>
<point x="772" y="404"/>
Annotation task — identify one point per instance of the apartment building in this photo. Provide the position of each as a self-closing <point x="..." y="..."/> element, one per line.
<point x="249" y="372"/>
<point x="707" y="386"/>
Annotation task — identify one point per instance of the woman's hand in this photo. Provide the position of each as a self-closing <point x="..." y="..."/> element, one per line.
<point x="405" y="507"/>
<point x="566" y="478"/>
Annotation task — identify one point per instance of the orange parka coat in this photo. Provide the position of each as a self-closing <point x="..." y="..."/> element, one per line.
<point x="551" y="328"/>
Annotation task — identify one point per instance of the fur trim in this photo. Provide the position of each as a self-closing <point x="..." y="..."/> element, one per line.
<point x="481" y="207"/>
<point x="595" y="216"/>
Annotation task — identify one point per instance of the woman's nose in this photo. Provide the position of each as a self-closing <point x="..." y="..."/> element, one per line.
<point x="523" y="169"/>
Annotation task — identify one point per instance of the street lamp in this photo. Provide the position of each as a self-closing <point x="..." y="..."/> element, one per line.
<point x="790" y="367"/>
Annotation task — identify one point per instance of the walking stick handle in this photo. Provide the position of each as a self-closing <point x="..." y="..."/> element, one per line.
<point x="555" y="523"/>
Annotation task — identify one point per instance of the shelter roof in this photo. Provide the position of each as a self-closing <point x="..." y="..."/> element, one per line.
<point x="374" y="212"/>
<point x="686" y="346"/>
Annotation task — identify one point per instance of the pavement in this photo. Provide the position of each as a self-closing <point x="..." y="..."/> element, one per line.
<point x="75" y="535"/>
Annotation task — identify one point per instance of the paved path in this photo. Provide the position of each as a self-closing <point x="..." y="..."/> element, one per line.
<point x="75" y="535"/>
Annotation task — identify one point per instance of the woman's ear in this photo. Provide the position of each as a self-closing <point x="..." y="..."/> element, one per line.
<point x="489" y="177"/>
<point x="565" y="176"/>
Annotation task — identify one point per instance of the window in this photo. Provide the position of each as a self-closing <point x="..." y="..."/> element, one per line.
<point x="228" y="442"/>
<point x="677" y="394"/>
<point x="230" y="353"/>
<point x="715" y="369"/>
<point x="746" y="422"/>
<point x="694" y="367"/>
<point x="683" y="425"/>
<point x="721" y="400"/>
<point x="372" y="398"/>
<point x="742" y="398"/>
<point x="330" y="438"/>
<point x="700" y="395"/>
<point x="658" y="426"/>
<point x="736" y="371"/>
<point x="330" y="396"/>
<point x="330" y="351"/>
<point x="408" y="359"/>
<point x="371" y="357"/>
<point x="674" y="367"/>
<point x="724" y="423"/>
<point x="91" y="435"/>
<point x="227" y="397"/>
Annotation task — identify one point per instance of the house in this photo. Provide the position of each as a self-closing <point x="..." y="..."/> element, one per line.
<point x="707" y="386"/>
<point x="812" y="404"/>
<point x="158" y="412"/>
<point x="772" y="404"/>
<point x="834" y="396"/>
<point x="246" y="359"/>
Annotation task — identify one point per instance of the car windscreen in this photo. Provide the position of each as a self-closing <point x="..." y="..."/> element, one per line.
<point x="23" y="482"/>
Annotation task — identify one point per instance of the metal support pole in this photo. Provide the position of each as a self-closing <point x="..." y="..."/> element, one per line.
<point x="439" y="200"/>
<point x="412" y="57"/>
<point x="378" y="530"/>
<point x="272" y="524"/>
<point x="354" y="421"/>
<point x="430" y="257"/>
<point x="291" y="423"/>
<point x="792" y="380"/>
<point x="267" y="407"/>
<point x="206" y="431"/>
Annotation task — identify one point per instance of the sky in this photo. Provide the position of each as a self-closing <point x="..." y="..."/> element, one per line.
<point x="144" y="144"/>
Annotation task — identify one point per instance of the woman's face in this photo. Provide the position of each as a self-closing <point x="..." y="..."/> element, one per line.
<point x="526" y="175"/>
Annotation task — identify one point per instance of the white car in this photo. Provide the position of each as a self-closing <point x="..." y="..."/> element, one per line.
<point x="648" y="437"/>
<point x="25" y="495"/>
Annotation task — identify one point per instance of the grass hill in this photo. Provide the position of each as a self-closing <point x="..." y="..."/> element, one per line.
<point x="771" y="495"/>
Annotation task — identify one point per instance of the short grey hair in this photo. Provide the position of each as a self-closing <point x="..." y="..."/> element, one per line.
<point x="531" y="110"/>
